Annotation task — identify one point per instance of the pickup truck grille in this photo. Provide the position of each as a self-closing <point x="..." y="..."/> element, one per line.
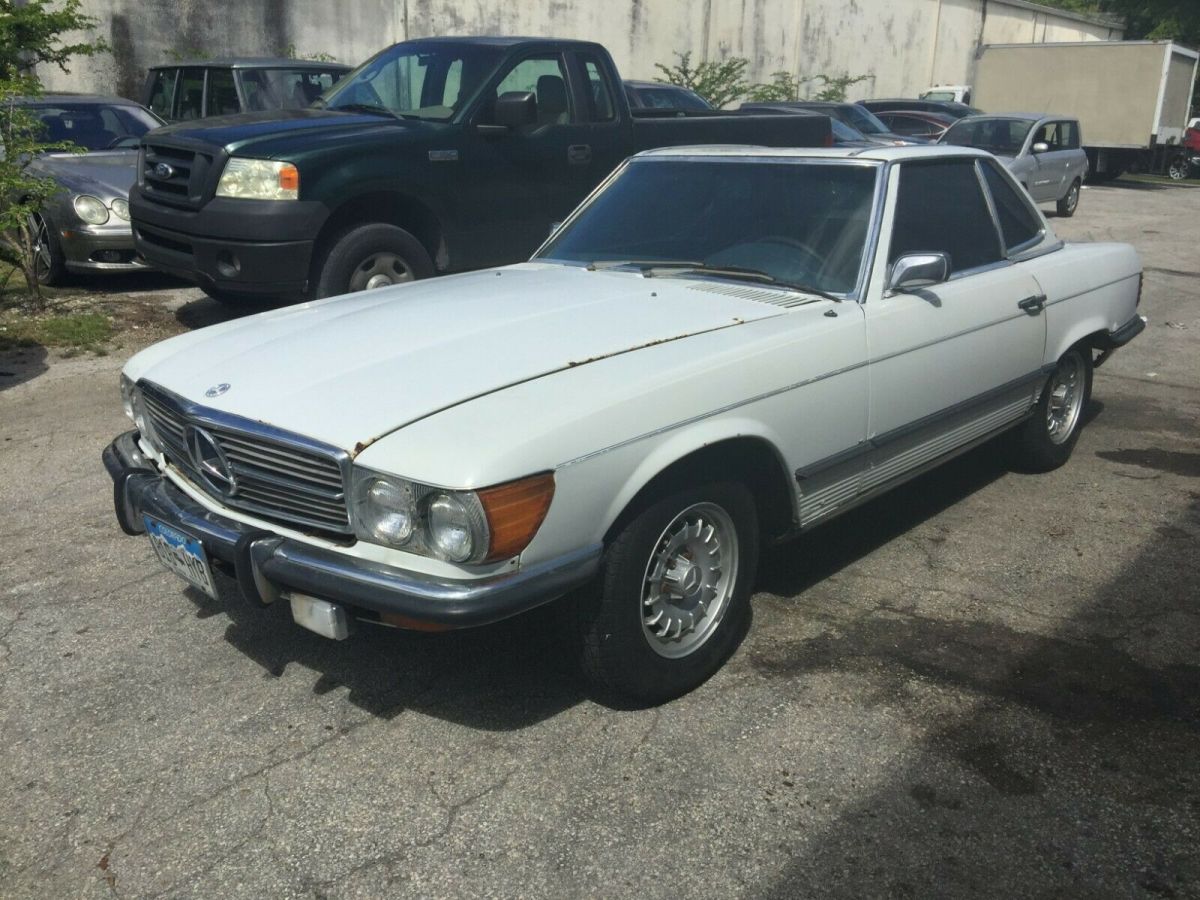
<point x="293" y="483"/>
<point x="174" y="175"/>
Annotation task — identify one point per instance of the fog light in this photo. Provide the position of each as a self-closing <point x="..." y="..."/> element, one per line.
<point x="228" y="265"/>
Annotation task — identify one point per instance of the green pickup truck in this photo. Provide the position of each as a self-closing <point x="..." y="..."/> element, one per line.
<point x="434" y="156"/>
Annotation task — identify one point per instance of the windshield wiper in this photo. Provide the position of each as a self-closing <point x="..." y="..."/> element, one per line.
<point x="599" y="265"/>
<point x="367" y="108"/>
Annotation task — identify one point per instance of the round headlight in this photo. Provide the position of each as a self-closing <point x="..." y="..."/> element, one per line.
<point x="390" y="510"/>
<point x="450" y="530"/>
<point x="90" y="209"/>
<point x="120" y="209"/>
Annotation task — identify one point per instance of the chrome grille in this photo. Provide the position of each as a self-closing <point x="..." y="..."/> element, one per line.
<point x="289" y="481"/>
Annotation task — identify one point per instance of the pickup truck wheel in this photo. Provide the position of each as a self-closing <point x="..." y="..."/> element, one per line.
<point x="674" y="594"/>
<point x="1046" y="439"/>
<point x="1069" y="202"/>
<point x="372" y="256"/>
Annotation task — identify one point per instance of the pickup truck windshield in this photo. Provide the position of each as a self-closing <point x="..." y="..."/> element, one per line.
<point x="1003" y="137"/>
<point x="415" y="80"/>
<point x="800" y="223"/>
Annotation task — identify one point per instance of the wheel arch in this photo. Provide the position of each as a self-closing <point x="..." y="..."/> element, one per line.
<point x="386" y="206"/>
<point x="705" y="453"/>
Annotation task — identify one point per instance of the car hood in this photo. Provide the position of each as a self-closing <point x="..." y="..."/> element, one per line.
<point x="255" y="131"/>
<point x="106" y="174"/>
<point x="352" y="369"/>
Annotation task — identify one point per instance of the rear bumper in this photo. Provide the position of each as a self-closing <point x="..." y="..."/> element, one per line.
<point x="1121" y="336"/>
<point x="268" y="566"/>
<point x="243" y="246"/>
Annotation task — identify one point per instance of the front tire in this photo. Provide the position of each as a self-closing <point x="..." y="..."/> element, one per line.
<point x="673" y="598"/>
<point x="1069" y="202"/>
<point x="49" y="262"/>
<point x="371" y="256"/>
<point x="1045" y="440"/>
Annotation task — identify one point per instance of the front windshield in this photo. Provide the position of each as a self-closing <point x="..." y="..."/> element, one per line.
<point x="799" y="223"/>
<point x="1003" y="137"/>
<point x="285" y="88"/>
<point x="843" y="132"/>
<point x="416" y="80"/>
<point x="93" y="126"/>
<point x="862" y="119"/>
<point x="938" y="95"/>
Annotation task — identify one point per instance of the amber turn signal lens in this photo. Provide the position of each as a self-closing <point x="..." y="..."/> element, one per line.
<point x="515" y="512"/>
<point x="289" y="178"/>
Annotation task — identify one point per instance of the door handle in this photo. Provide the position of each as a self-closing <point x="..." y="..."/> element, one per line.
<point x="579" y="154"/>
<point x="1033" y="304"/>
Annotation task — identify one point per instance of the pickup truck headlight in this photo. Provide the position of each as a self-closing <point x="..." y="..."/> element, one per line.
<point x="90" y="209"/>
<point x="458" y="526"/>
<point x="259" y="179"/>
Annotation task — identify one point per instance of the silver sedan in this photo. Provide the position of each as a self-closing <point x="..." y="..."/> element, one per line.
<point x="84" y="227"/>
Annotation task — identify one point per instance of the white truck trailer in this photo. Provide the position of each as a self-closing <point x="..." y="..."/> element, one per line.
<point x="1132" y="98"/>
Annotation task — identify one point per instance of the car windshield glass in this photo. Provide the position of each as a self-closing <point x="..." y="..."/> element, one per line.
<point x="861" y="119"/>
<point x="671" y="98"/>
<point x="416" y="80"/>
<point x="795" y="223"/>
<point x="843" y="132"/>
<point x="1002" y="137"/>
<point x="93" y="126"/>
<point x="285" y="88"/>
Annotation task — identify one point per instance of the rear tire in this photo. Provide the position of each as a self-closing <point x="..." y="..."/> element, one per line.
<point x="673" y="598"/>
<point x="1069" y="202"/>
<point x="371" y="256"/>
<point x="1177" y="168"/>
<point x="1045" y="440"/>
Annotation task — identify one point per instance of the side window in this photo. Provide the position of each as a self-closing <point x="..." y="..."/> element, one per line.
<point x="1070" y="135"/>
<point x="189" y="95"/>
<point x="599" y="97"/>
<point x="940" y="207"/>
<point x="222" y="95"/>
<point x="162" y="92"/>
<point x="1050" y="134"/>
<point x="1018" y="224"/>
<point x="546" y="78"/>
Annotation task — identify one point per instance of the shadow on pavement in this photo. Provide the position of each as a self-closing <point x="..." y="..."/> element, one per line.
<point x="207" y="311"/>
<point x="1065" y="767"/>
<point x="21" y="365"/>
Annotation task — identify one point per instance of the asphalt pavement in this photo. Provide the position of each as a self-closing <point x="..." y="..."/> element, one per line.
<point x="984" y="684"/>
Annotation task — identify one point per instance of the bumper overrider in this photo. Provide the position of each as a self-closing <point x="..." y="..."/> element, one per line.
<point x="268" y="566"/>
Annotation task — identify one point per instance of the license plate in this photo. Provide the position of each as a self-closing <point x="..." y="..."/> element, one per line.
<point x="182" y="554"/>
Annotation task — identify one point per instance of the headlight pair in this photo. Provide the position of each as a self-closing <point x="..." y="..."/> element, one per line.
<point x="458" y="526"/>
<point x="93" y="211"/>
<point x="259" y="179"/>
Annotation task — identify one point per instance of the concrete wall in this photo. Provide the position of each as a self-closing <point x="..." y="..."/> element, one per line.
<point x="904" y="45"/>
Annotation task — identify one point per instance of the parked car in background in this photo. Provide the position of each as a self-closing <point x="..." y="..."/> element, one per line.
<point x="861" y="120"/>
<point x="1188" y="164"/>
<point x="656" y="95"/>
<point x="84" y="228"/>
<point x="916" y="123"/>
<point x="950" y="108"/>
<point x="1043" y="152"/>
<point x="182" y="92"/>
<point x="721" y="348"/>
<point x="843" y="134"/>
<point x="435" y="156"/>
<point x="953" y="93"/>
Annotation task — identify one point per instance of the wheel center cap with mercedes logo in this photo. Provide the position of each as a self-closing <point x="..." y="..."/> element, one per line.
<point x="210" y="462"/>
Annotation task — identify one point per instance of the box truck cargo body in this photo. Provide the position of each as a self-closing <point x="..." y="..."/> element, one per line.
<point x="1132" y="98"/>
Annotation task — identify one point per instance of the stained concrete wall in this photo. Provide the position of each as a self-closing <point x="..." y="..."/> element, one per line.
<point x="903" y="45"/>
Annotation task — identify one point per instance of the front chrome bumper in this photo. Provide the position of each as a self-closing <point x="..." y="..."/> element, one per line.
<point x="80" y="244"/>
<point x="267" y="565"/>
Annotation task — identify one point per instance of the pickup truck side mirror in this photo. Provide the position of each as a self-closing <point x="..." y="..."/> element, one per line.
<point x="918" y="270"/>
<point x="516" y="109"/>
<point x="1040" y="147"/>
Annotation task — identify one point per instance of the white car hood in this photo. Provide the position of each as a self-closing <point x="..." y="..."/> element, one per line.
<point x="352" y="369"/>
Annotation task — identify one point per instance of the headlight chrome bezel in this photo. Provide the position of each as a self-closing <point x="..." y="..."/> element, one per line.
<point x="245" y="178"/>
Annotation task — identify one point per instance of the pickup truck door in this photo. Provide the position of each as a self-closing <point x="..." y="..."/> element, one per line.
<point x="955" y="361"/>
<point x="520" y="177"/>
<point x="604" y="137"/>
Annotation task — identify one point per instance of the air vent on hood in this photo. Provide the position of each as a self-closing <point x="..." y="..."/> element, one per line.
<point x="757" y="294"/>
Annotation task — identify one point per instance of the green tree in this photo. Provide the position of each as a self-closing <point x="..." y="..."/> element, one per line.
<point x="717" y="82"/>
<point x="30" y="35"/>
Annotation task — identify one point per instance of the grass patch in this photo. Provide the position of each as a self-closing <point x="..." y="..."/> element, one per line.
<point x="73" y="331"/>
<point x="1146" y="178"/>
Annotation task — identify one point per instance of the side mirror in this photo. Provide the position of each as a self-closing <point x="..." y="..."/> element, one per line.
<point x="1040" y="147"/>
<point x="918" y="270"/>
<point x="516" y="109"/>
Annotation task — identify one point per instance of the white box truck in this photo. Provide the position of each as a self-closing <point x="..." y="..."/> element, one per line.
<point x="1132" y="98"/>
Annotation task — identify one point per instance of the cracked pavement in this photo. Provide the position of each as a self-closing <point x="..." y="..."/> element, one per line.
<point x="983" y="684"/>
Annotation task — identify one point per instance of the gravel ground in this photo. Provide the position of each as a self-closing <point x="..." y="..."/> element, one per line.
<point x="984" y="684"/>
